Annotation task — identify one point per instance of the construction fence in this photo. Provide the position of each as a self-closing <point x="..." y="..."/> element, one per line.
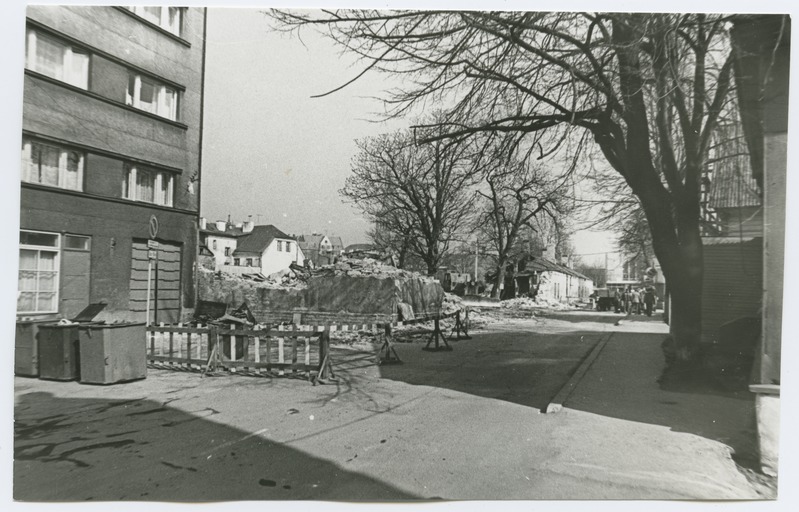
<point x="282" y="350"/>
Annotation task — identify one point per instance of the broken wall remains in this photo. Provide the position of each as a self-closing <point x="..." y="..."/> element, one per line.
<point x="328" y="298"/>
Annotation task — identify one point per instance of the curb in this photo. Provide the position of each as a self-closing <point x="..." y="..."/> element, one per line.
<point x="556" y="404"/>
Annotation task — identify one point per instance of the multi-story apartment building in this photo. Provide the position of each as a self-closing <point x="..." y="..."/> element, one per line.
<point x="111" y="141"/>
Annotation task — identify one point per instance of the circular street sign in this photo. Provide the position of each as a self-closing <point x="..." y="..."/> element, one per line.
<point x="153" y="226"/>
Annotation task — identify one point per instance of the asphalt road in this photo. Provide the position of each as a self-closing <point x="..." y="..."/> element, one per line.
<point x="453" y="425"/>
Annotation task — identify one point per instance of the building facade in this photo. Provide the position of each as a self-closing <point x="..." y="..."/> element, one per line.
<point x="265" y="250"/>
<point x="320" y="249"/>
<point x="111" y="155"/>
<point x="220" y="239"/>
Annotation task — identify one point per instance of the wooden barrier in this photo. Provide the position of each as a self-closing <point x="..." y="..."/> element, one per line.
<point x="274" y="350"/>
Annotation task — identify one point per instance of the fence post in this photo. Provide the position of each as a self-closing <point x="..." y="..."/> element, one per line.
<point x="324" y="351"/>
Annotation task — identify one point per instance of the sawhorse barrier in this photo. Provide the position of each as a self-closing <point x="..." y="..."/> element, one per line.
<point x="387" y="353"/>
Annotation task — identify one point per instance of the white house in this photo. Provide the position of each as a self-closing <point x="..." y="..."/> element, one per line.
<point x="221" y="239"/>
<point x="265" y="250"/>
<point x="542" y="277"/>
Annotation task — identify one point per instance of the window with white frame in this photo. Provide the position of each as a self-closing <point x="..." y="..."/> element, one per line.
<point x="168" y="18"/>
<point x="279" y="245"/>
<point x="152" y="96"/>
<point x="38" y="272"/>
<point x="288" y="246"/>
<point x="148" y="185"/>
<point x="51" y="164"/>
<point x="57" y="59"/>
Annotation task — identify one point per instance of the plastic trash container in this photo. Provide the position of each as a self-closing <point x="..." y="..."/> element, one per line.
<point x="58" y="352"/>
<point x="111" y="353"/>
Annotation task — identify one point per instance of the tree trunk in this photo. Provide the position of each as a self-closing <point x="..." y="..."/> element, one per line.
<point x="496" y="290"/>
<point x="680" y="257"/>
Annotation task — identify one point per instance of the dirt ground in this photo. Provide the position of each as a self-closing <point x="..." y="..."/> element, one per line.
<point x="458" y="425"/>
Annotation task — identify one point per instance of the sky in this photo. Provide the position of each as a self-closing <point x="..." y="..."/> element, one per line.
<point x="270" y="150"/>
<point x="274" y="152"/>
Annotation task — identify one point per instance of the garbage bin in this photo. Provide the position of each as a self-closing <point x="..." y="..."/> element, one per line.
<point x="26" y="347"/>
<point x="112" y="353"/>
<point x="58" y="352"/>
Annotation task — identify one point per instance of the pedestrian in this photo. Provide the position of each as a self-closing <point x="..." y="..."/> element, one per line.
<point x="636" y="301"/>
<point x="649" y="300"/>
<point x="627" y="300"/>
<point x="627" y="297"/>
<point x="616" y="300"/>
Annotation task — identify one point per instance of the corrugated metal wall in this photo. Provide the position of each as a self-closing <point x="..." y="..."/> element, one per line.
<point x="733" y="283"/>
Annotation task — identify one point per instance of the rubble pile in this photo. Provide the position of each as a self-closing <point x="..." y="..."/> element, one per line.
<point x="366" y="268"/>
<point x="350" y="291"/>
<point x="286" y="279"/>
<point x="451" y="303"/>
<point x="537" y="303"/>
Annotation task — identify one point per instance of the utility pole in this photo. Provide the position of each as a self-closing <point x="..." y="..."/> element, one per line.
<point x="476" y="253"/>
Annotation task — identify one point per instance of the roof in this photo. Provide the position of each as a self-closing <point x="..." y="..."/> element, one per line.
<point x="229" y="230"/>
<point x="545" y="265"/>
<point x="359" y="247"/>
<point x="726" y="240"/>
<point x="336" y="242"/>
<point x="312" y="241"/>
<point x="259" y="239"/>
<point x="732" y="184"/>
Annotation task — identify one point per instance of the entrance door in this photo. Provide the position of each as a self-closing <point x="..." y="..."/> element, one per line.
<point x="75" y="275"/>
<point x="165" y="275"/>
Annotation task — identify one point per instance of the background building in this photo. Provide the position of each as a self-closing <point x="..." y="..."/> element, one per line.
<point x="112" y="124"/>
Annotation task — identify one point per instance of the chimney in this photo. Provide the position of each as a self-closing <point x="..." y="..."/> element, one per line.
<point x="247" y="228"/>
<point x="548" y="254"/>
<point x="220" y="225"/>
<point x="203" y="223"/>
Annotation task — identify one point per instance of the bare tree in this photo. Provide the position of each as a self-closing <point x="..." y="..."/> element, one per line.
<point x="420" y="194"/>
<point x="647" y="87"/>
<point x="518" y="192"/>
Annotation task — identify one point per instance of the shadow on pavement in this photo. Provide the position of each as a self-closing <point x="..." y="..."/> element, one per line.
<point x="525" y="368"/>
<point x="70" y="449"/>
<point x="625" y="383"/>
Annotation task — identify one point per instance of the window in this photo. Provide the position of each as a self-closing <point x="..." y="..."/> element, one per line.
<point x="227" y="251"/>
<point x="152" y="96"/>
<point x="249" y="262"/>
<point x="77" y="242"/>
<point x="56" y="59"/>
<point x="38" y="272"/>
<point x="279" y="245"/>
<point x="236" y="261"/>
<point x="288" y="246"/>
<point x="168" y="18"/>
<point x="50" y="164"/>
<point x="214" y="244"/>
<point x="148" y="185"/>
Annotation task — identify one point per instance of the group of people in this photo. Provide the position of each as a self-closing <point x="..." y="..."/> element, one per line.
<point x="635" y="301"/>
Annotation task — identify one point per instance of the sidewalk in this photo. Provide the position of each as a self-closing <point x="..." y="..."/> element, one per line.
<point x="668" y="442"/>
